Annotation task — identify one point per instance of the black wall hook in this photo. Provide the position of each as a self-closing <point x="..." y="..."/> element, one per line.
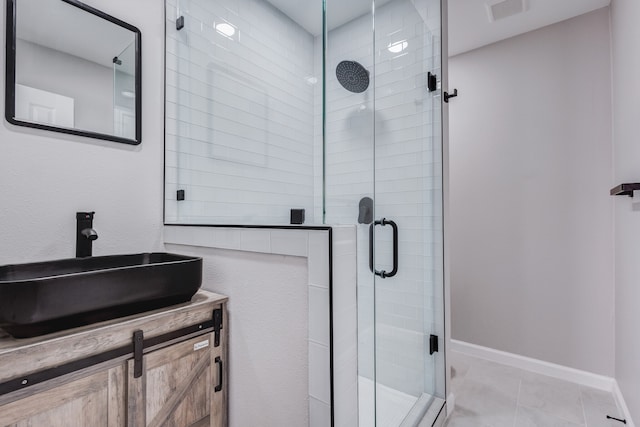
<point x="453" y="95"/>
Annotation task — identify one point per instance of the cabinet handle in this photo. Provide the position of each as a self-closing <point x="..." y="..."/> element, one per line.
<point x="220" y="371"/>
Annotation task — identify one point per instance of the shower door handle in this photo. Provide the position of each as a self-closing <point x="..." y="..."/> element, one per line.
<point x="394" y="226"/>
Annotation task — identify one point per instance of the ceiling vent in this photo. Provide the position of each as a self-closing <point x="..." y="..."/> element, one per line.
<point x="505" y="8"/>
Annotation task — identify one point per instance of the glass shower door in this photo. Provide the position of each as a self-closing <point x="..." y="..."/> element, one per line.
<point x="383" y="173"/>
<point x="408" y="243"/>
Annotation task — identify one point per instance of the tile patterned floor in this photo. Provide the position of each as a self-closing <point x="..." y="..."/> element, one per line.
<point x="492" y="395"/>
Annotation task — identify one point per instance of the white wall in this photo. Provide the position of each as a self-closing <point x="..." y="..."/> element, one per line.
<point x="626" y="136"/>
<point x="46" y="177"/>
<point x="531" y="216"/>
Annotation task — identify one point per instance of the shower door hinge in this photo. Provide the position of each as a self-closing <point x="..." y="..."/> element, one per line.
<point x="180" y="23"/>
<point x="432" y="82"/>
<point x="180" y="195"/>
<point x="433" y="344"/>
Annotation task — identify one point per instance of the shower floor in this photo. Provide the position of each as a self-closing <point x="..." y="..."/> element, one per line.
<point x="392" y="406"/>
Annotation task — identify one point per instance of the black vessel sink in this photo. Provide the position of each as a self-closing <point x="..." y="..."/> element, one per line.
<point x="44" y="297"/>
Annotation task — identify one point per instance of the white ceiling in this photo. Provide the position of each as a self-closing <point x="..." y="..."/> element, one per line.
<point x="470" y="28"/>
<point x="308" y="13"/>
<point x="469" y="24"/>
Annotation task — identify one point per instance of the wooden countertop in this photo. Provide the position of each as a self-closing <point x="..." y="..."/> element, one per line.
<point x="22" y="356"/>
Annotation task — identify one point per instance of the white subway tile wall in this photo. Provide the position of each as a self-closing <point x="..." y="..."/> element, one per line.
<point x="345" y="326"/>
<point x="239" y="113"/>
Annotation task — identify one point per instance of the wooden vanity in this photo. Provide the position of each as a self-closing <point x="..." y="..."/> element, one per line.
<point x="159" y="368"/>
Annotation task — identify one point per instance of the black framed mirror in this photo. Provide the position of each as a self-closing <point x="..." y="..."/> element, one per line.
<point x="73" y="69"/>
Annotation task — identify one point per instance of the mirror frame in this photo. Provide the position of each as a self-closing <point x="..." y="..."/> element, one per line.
<point x="10" y="76"/>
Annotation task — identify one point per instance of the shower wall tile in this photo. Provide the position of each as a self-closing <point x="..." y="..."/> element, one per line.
<point x="290" y="242"/>
<point x="318" y="309"/>
<point x="318" y="273"/>
<point x="319" y="383"/>
<point x="226" y="238"/>
<point x="255" y="240"/>
<point x="345" y="325"/>
<point x="240" y="114"/>
<point x="319" y="314"/>
<point x="319" y="413"/>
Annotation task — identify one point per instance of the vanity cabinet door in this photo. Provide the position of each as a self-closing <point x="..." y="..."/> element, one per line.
<point x="178" y="386"/>
<point x="78" y="400"/>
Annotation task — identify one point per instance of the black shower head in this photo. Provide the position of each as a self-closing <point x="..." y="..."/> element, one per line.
<point x="352" y="76"/>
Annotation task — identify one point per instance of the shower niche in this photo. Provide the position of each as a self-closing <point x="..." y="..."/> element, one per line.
<point x="327" y="107"/>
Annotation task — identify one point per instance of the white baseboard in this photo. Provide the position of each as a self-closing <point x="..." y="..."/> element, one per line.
<point x="584" y="378"/>
<point x="622" y="405"/>
<point x="566" y="373"/>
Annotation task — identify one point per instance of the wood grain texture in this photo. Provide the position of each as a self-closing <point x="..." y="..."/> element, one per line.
<point x="175" y="390"/>
<point x="181" y="391"/>
<point x="219" y="402"/>
<point x="205" y="422"/>
<point x="136" y="396"/>
<point x="225" y="356"/>
<point x="22" y="356"/>
<point x="178" y="383"/>
<point x="184" y="349"/>
<point x="117" y="405"/>
<point x="83" y="402"/>
<point x="59" y="381"/>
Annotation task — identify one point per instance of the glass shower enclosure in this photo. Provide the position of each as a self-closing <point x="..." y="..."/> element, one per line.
<point x="334" y="107"/>
<point x="383" y="173"/>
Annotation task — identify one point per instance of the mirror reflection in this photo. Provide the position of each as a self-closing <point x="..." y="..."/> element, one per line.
<point x="76" y="70"/>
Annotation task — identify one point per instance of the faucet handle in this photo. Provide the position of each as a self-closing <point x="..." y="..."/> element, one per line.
<point x="89" y="233"/>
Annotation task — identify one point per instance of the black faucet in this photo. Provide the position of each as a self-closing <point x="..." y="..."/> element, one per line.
<point x="85" y="234"/>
